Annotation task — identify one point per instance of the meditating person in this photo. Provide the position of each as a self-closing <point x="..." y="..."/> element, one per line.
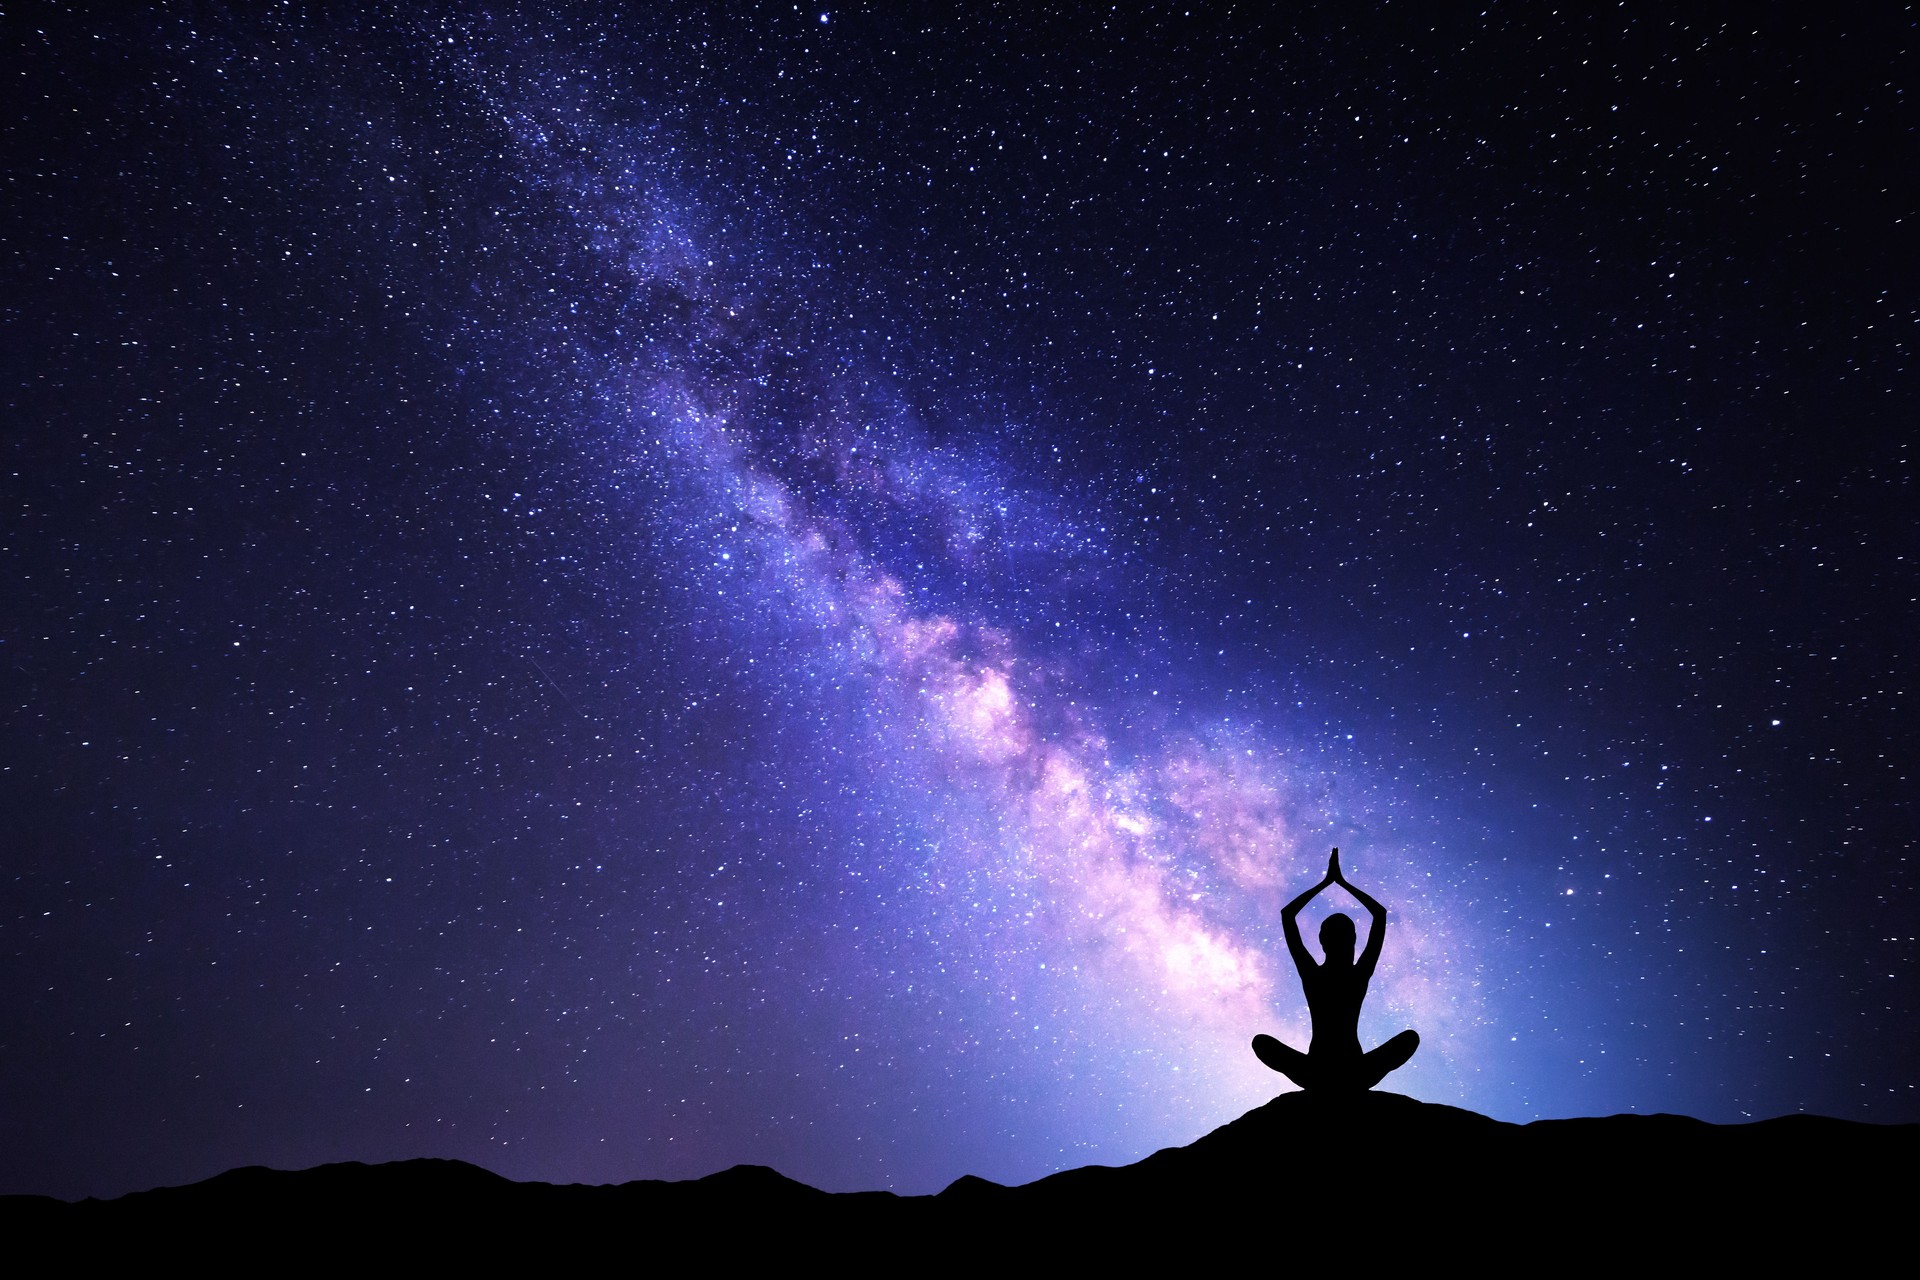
<point x="1335" y="988"/>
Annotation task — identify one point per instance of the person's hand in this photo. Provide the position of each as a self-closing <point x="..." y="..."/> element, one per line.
<point x="1333" y="869"/>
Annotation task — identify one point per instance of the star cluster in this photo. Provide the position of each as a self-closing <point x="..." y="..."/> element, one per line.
<point x="617" y="594"/>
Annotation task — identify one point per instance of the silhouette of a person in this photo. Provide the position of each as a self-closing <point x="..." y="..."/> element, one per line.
<point x="1335" y="989"/>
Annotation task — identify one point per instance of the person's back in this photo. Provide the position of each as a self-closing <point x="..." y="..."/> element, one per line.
<point x="1335" y="992"/>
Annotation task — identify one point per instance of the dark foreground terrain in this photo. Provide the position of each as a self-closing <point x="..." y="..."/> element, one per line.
<point x="1351" y="1182"/>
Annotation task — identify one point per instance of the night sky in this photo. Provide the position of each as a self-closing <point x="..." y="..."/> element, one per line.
<point x="619" y="593"/>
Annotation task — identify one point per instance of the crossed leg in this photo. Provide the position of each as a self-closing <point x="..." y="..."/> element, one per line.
<point x="1393" y="1054"/>
<point x="1364" y="1073"/>
<point x="1287" y="1060"/>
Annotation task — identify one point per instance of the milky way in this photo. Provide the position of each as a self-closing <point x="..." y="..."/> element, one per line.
<point x="1090" y="888"/>
<point x="621" y="596"/>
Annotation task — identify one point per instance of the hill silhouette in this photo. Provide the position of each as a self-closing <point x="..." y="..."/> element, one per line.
<point x="1366" y="1177"/>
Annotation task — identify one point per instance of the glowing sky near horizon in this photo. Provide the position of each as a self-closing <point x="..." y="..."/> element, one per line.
<point x="617" y="599"/>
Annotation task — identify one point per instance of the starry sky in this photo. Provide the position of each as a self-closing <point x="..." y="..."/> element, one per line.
<point x="615" y="590"/>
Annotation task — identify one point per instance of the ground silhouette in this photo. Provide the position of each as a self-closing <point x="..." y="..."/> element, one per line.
<point x="1335" y="1174"/>
<point x="1290" y="1182"/>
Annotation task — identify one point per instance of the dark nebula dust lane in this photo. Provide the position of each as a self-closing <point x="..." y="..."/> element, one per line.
<point x="619" y="594"/>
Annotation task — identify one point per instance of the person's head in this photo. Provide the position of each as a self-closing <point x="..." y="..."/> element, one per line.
<point x="1336" y="938"/>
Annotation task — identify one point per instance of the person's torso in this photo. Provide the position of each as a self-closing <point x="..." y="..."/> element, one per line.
<point x="1334" y="996"/>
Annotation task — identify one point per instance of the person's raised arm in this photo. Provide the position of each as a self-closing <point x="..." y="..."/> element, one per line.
<point x="1289" y="914"/>
<point x="1377" y="934"/>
